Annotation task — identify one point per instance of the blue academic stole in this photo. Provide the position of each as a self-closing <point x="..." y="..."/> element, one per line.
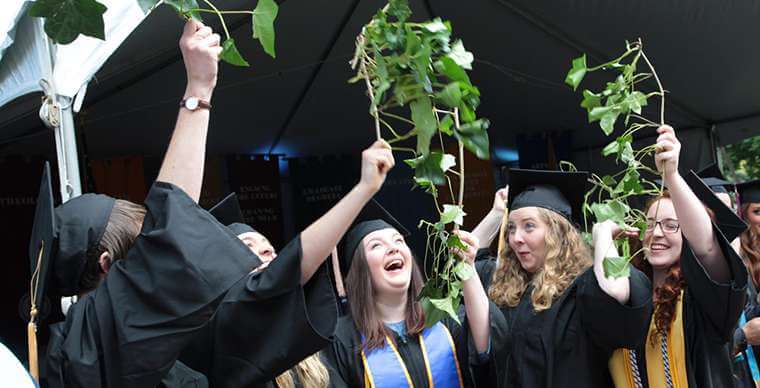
<point x="384" y="368"/>
<point x="750" y="354"/>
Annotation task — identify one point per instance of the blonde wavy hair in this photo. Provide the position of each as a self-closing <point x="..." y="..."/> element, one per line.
<point x="567" y="256"/>
<point x="311" y="372"/>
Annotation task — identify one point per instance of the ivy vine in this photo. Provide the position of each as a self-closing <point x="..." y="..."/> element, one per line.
<point x="608" y="199"/>
<point x="65" y="20"/>
<point x="416" y="79"/>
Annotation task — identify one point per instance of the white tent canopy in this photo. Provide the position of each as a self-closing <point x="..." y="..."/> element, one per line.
<point x="29" y="62"/>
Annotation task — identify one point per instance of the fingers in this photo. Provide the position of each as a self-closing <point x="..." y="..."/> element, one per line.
<point x="203" y="32"/>
<point x="211" y="40"/>
<point x="191" y="26"/>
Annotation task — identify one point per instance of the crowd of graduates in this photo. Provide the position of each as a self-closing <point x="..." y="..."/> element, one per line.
<point x="167" y="294"/>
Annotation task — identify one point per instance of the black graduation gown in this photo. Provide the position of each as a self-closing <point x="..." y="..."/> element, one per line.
<point x="344" y="362"/>
<point x="129" y="331"/>
<point x="266" y="324"/>
<point x="710" y="314"/>
<point x="742" y="371"/>
<point x="570" y="343"/>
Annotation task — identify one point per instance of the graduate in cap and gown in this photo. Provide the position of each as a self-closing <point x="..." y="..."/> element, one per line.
<point x="747" y="335"/>
<point x="559" y="317"/>
<point x="285" y="310"/>
<point x="383" y="342"/>
<point x="699" y="284"/>
<point x="147" y="279"/>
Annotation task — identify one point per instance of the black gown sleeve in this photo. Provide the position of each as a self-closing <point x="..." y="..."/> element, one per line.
<point x="609" y="324"/>
<point x="342" y="358"/>
<point x="129" y="331"/>
<point x="720" y="305"/>
<point x="268" y="322"/>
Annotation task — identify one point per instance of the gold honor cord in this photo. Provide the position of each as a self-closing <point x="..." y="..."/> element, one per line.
<point x="31" y="328"/>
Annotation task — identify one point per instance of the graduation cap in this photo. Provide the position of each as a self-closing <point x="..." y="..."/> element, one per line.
<point x="228" y="213"/>
<point x="373" y="217"/>
<point x="749" y="192"/>
<point x="713" y="177"/>
<point x="558" y="191"/>
<point x="725" y="218"/>
<point x="41" y="248"/>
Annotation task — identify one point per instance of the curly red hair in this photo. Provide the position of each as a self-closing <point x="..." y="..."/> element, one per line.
<point x="665" y="296"/>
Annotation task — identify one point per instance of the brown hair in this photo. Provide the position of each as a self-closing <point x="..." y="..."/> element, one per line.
<point x="122" y="229"/>
<point x="311" y="372"/>
<point x="567" y="256"/>
<point x="750" y="247"/>
<point x="361" y="295"/>
<point x="665" y="296"/>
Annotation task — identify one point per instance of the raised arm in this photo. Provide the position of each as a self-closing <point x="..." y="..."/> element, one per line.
<point x="693" y="218"/>
<point x="184" y="159"/>
<point x="475" y="298"/>
<point x="319" y="238"/>
<point x="489" y="225"/>
<point x="603" y="234"/>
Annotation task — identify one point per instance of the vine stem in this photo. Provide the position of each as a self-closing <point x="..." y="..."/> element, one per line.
<point x="363" y="69"/>
<point x="220" y="12"/>
<point x="659" y="85"/>
<point x="461" y="165"/>
<point x="221" y="18"/>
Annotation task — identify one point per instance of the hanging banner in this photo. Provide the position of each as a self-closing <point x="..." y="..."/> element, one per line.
<point x="120" y="177"/>
<point x="319" y="183"/>
<point x="257" y="184"/>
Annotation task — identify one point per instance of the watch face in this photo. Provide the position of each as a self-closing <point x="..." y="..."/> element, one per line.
<point x="191" y="103"/>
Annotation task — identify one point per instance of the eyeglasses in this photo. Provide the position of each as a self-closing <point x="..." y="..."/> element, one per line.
<point x="667" y="225"/>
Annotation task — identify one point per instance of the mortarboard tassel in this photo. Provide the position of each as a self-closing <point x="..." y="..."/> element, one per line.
<point x="31" y="328"/>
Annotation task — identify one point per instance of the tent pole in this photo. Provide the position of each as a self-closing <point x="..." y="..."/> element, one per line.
<point x="66" y="145"/>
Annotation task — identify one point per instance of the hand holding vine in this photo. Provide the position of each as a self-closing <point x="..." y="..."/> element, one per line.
<point x="471" y="241"/>
<point x="668" y="149"/>
<point x="377" y="160"/>
<point x="200" y="51"/>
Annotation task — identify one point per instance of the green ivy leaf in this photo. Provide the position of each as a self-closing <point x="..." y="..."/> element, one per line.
<point x="432" y="313"/>
<point x="445" y="125"/>
<point x="475" y="137"/>
<point x="431" y="168"/>
<point x="635" y="101"/>
<point x="453" y="241"/>
<point x="66" y="19"/>
<point x="231" y="55"/>
<point x="591" y="100"/>
<point x="608" y="121"/>
<point x="642" y="226"/>
<point x="451" y="69"/>
<point x="436" y="25"/>
<point x="399" y="9"/>
<point x="183" y="8"/>
<point x="462" y="57"/>
<point x="451" y="95"/>
<point x="610" y="210"/>
<point x="446" y="305"/>
<point x="452" y="213"/>
<point x="611" y="148"/>
<point x="263" y="24"/>
<point x="463" y="270"/>
<point x="424" y="121"/>
<point x="616" y="267"/>
<point x="577" y="72"/>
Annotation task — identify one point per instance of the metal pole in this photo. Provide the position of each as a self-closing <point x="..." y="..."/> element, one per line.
<point x="68" y="160"/>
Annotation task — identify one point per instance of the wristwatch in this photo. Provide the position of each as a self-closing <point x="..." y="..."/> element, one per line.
<point x="194" y="103"/>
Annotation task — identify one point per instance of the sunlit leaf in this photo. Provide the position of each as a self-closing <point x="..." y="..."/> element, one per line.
<point x="231" y="55"/>
<point x="616" y="267"/>
<point x="263" y="24"/>
<point x="577" y="72"/>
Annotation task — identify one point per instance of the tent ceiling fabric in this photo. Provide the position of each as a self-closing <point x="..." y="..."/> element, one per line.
<point x="301" y="104"/>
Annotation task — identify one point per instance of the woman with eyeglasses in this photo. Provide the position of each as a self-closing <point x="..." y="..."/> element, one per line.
<point x="699" y="285"/>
